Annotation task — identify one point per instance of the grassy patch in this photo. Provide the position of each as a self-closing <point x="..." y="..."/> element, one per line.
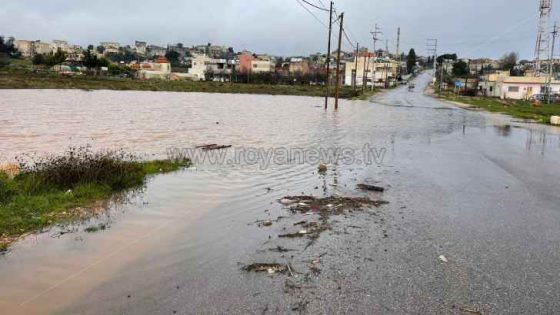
<point x="515" y="108"/>
<point x="29" y="80"/>
<point x="47" y="191"/>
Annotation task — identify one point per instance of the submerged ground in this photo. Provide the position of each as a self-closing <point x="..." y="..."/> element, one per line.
<point x="477" y="188"/>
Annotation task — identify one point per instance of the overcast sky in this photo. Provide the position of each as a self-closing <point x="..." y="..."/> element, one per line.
<point x="472" y="28"/>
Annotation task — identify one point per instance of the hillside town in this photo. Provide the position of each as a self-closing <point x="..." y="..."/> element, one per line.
<point x="508" y="78"/>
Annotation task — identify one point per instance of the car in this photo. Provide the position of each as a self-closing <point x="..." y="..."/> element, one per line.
<point x="537" y="97"/>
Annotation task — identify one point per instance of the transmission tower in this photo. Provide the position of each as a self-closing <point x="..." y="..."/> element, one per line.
<point x="543" y="38"/>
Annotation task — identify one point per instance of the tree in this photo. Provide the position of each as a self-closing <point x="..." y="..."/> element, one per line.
<point x="90" y="47"/>
<point x="509" y="61"/>
<point x="441" y="58"/>
<point x="411" y="61"/>
<point x="100" y="49"/>
<point x="38" y="59"/>
<point x="460" y="69"/>
<point x="55" y="59"/>
<point x="173" y="57"/>
<point x="7" y="48"/>
<point x="90" y="60"/>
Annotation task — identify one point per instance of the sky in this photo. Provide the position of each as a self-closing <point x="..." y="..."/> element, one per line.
<point x="470" y="28"/>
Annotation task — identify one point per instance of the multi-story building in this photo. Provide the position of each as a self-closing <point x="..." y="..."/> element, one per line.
<point x="43" y="48"/>
<point x="262" y="64"/>
<point x="141" y="48"/>
<point x="153" y="50"/>
<point x="381" y="72"/>
<point x="298" y="65"/>
<point x="110" y="47"/>
<point x="25" y="47"/>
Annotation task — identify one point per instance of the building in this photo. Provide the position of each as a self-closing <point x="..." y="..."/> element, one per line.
<point x="504" y="86"/>
<point x="161" y="69"/>
<point x="244" y="62"/>
<point x="141" y="48"/>
<point x="262" y="64"/>
<point x="299" y="66"/>
<point x="199" y="66"/>
<point x="62" y="45"/>
<point x="382" y="72"/>
<point x="25" y="47"/>
<point x="43" y="48"/>
<point x="110" y="47"/>
<point x="153" y="51"/>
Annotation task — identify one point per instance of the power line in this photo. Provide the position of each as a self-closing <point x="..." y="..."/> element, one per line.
<point x="323" y="4"/>
<point x="316" y="7"/>
<point x="312" y="14"/>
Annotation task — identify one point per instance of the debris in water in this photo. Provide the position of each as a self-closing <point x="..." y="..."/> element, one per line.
<point x="292" y="235"/>
<point x="280" y="249"/>
<point x="371" y="187"/>
<point x="216" y="147"/>
<point x="471" y="311"/>
<point x="322" y="168"/>
<point x="271" y="268"/>
<point x="443" y="259"/>
<point x="286" y="202"/>
<point x="267" y="223"/>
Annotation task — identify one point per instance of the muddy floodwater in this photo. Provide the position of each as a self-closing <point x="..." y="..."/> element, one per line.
<point x="480" y="189"/>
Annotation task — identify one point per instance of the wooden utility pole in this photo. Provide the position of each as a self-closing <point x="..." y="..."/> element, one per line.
<point x="356" y="67"/>
<point x="398" y="52"/>
<point x="328" y="58"/>
<point x="338" y="61"/>
<point x="550" y="66"/>
<point x="364" y="78"/>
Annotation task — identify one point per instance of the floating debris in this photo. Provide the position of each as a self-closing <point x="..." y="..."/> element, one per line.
<point x="293" y="235"/>
<point x="270" y="268"/>
<point x="322" y="168"/>
<point x="280" y="249"/>
<point x="443" y="259"/>
<point x="331" y="204"/>
<point x="369" y="187"/>
<point x="213" y="146"/>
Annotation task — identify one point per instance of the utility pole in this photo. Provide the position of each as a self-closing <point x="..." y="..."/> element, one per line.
<point x="328" y="58"/>
<point x="398" y="52"/>
<point x="338" y="61"/>
<point x="432" y="49"/>
<point x="375" y="34"/>
<point x="364" y="75"/>
<point x="356" y="66"/>
<point x="550" y="70"/>
<point x="441" y="79"/>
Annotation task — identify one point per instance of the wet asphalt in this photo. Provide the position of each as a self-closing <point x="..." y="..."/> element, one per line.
<point x="480" y="189"/>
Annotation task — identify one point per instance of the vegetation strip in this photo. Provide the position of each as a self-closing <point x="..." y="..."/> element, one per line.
<point x="516" y="108"/>
<point x="51" y="190"/>
<point x="18" y="80"/>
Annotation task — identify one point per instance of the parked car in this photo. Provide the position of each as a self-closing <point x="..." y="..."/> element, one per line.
<point x="537" y="97"/>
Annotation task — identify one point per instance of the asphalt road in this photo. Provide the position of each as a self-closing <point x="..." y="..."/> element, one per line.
<point x="478" y="188"/>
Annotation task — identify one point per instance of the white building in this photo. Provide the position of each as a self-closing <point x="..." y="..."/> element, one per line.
<point x="199" y="66"/>
<point x="504" y="86"/>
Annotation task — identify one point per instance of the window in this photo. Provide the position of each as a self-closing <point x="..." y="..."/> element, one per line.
<point x="491" y="89"/>
<point x="513" y="89"/>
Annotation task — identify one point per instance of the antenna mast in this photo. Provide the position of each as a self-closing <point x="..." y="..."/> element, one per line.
<point x="543" y="37"/>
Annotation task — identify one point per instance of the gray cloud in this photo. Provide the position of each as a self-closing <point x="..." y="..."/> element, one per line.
<point x="472" y="28"/>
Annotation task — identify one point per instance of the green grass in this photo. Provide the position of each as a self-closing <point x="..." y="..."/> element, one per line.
<point x="29" y="80"/>
<point x="515" y="108"/>
<point x="47" y="191"/>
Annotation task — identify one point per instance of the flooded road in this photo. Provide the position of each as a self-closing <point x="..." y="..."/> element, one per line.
<point x="479" y="188"/>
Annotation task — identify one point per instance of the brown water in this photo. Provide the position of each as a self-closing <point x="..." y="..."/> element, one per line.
<point x="191" y="227"/>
